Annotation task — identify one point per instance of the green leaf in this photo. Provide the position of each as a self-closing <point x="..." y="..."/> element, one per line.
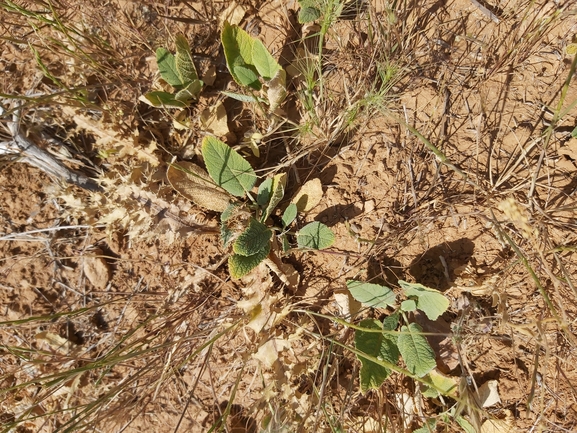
<point x="574" y="133"/>
<point x="237" y="45"/>
<point x="183" y="61"/>
<point x="391" y="322"/>
<point x="163" y="99"/>
<point x="264" y="191"/>
<point x="239" y="266"/>
<point x="277" y="194"/>
<point x="285" y="244"/>
<point x="289" y="215"/>
<point x="227" y="167"/>
<point x="167" y="67"/>
<point x="430" y="301"/>
<point x="308" y="14"/>
<point x="373" y="295"/>
<point x="228" y="212"/>
<point x="315" y="235"/>
<point x="255" y="238"/>
<point x="378" y="345"/>
<point x="466" y="425"/>
<point x="190" y="92"/>
<point x="408" y="305"/>
<point x="264" y="63"/>
<point x="247" y="76"/>
<point x="416" y="351"/>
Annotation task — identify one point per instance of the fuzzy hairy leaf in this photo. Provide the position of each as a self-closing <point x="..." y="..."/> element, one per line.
<point x="391" y="322"/>
<point x="194" y="183"/>
<point x="378" y="345"/>
<point x="373" y="295"/>
<point x="183" y="61"/>
<point x="237" y="46"/>
<point x="239" y="266"/>
<point x="289" y="215"/>
<point x="227" y="167"/>
<point x="167" y="67"/>
<point x="416" y="351"/>
<point x="255" y="238"/>
<point x="315" y="235"/>
<point x="430" y="301"/>
<point x="264" y="63"/>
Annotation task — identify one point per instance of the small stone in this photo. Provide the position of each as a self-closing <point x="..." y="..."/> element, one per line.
<point x="369" y="206"/>
<point x="97" y="270"/>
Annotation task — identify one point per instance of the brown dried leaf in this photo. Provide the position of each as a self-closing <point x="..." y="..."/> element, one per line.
<point x="234" y="14"/>
<point x="194" y="183"/>
<point x="214" y="120"/>
<point x="309" y="195"/>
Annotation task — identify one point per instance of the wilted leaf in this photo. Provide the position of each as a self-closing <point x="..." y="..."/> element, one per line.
<point x="276" y="91"/>
<point x="194" y="183"/>
<point x="379" y="345"/>
<point x="227" y="167"/>
<point x="315" y="235"/>
<point x="309" y="195"/>
<point x="255" y="238"/>
<point x="415" y="350"/>
<point x="214" y="119"/>
<point x="431" y="302"/>
<point x="373" y="295"/>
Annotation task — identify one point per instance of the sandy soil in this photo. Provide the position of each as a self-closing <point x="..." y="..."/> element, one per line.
<point x="165" y="321"/>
